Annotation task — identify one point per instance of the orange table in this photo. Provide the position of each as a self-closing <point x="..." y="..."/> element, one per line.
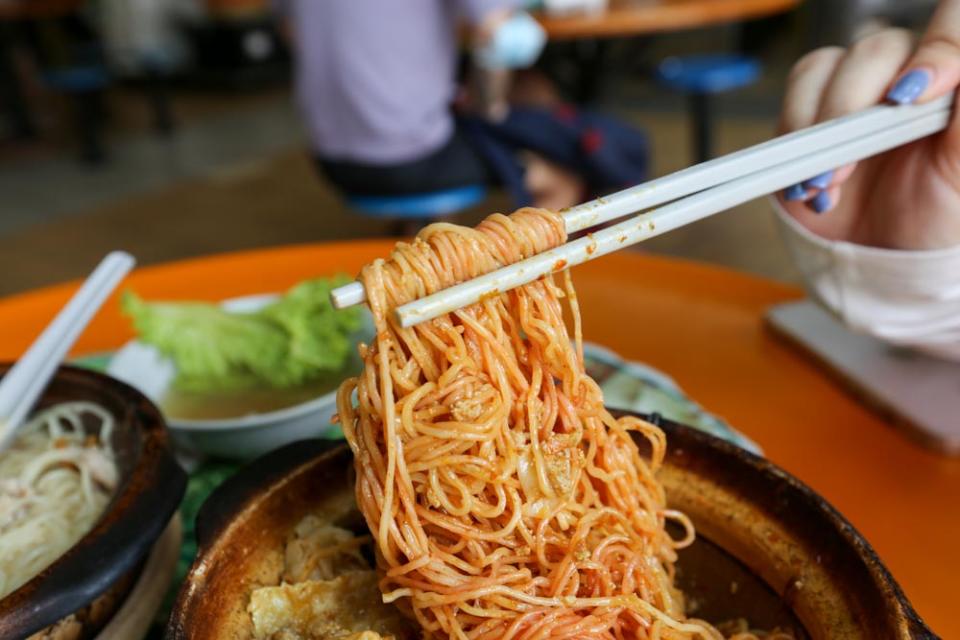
<point x="624" y="18"/>
<point x="701" y="325"/>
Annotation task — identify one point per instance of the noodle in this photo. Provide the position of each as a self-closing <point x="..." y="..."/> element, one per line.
<point x="55" y="481"/>
<point x="504" y="500"/>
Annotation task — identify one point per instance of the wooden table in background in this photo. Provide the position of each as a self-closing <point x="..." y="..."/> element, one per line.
<point x="35" y="9"/>
<point x="237" y="9"/>
<point x="623" y="18"/>
<point x="703" y="326"/>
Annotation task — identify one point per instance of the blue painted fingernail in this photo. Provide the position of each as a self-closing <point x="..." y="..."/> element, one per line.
<point x="794" y="193"/>
<point x="910" y="87"/>
<point x="821" y="181"/>
<point x="820" y="202"/>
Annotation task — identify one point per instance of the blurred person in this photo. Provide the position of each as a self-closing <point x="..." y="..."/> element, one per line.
<point x="879" y="242"/>
<point x="376" y="83"/>
<point x="146" y="40"/>
<point x="144" y="37"/>
<point x="554" y="155"/>
<point x="63" y="53"/>
<point x="13" y="101"/>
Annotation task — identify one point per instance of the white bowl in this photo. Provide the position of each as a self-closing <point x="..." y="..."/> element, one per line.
<point x="243" y="437"/>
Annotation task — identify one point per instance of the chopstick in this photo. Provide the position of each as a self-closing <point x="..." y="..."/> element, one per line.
<point x="786" y="148"/>
<point x="710" y="187"/>
<point x="667" y="218"/>
<point x="25" y="381"/>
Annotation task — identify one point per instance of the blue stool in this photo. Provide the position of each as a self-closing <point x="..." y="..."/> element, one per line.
<point x="85" y="84"/>
<point x="701" y="77"/>
<point x="412" y="211"/>
<point x="78" y="79"/>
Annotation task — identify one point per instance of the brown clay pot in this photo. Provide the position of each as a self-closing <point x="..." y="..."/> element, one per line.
<point x="769" y="549"/>
<point x="99" y="568"/>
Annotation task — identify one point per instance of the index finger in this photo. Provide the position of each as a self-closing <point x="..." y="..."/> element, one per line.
<point x="934" y="70"/>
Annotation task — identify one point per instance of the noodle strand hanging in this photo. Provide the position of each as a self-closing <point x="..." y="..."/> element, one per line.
<point x="504" y="499"/>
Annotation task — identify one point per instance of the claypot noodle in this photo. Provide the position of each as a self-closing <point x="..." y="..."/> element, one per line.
<point x="55" y="481"/>
<point x="504" y="500"/>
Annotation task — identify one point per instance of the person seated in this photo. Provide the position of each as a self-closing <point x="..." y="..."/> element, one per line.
<point x="376" y="84"/>
<point x="147" y="37"/>
<point x="878" y="243"/>
<point x="375" y="81"/>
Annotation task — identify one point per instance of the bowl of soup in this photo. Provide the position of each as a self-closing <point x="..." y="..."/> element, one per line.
<point x="88" y="487"/>
<point x="241" y="423"/>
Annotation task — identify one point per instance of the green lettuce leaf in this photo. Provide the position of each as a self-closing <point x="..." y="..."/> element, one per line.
<point x="290" y="342"/>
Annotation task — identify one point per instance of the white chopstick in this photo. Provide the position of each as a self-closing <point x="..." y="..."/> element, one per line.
<point x="786" y="148"/>
<point x="25" y="381"/>
<point x="667" y="218"/>
<point x="706" y="189"/>
<point x="793" y="146"/>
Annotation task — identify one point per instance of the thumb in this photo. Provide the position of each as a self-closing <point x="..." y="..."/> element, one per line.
<point x="934" y="70"/>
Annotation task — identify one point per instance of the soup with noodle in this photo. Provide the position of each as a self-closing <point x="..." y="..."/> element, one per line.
<point x="56" y="479"/>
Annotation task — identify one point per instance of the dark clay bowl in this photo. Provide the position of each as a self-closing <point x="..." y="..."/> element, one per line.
<point x="100" y="567"/>
<point x="769" y="549"/>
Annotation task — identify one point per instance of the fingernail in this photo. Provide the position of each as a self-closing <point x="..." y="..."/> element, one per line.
<point x="910" y="86"/>
<point x="796" y="192"/>
<point x="820" y="202"/>
<point x="821" y="181"/>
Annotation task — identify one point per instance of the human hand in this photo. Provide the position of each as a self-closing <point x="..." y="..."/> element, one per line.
<point x="906" y="198"/>
<point x="509" y="41"/>
<point x="504" y="40"/>
<point x="550" y="185"/>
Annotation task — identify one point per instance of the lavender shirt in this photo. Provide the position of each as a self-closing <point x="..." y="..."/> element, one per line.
<point x="375" y="78"/>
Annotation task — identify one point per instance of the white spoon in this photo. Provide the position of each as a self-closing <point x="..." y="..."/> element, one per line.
<point x="25" y="381"/>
